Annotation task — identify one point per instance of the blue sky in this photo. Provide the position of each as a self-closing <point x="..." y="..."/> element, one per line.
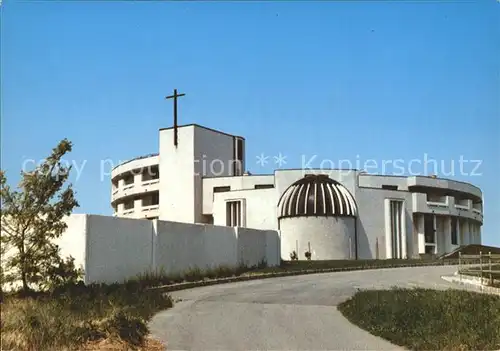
<point x="344" y="81"/>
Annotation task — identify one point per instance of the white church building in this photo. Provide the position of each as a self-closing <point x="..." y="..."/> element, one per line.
<point x="198" y="176"/>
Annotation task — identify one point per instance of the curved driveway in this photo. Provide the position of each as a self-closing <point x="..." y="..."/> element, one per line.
<point x="289" y="313"/>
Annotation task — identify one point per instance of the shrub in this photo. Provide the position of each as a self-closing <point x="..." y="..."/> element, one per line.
<point x="79" y="314"/>
<point x="308" y="255"/>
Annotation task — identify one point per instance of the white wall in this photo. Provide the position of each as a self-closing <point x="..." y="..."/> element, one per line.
<point x="74" y="240"/>
<point x="214" y="155"/>
<point x="180" y="246"/>
<point x="331" y="238"/>
<point x="177" y="187"/>
<point x="259" y="209"/>
<point x="371" y="228"/>
<point x="112" y="249"/>
<point x="117" y="248"/>
<point x="247" y="182"/>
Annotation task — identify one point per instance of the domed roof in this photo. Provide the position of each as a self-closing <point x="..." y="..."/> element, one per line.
<point x="316" y="195"/>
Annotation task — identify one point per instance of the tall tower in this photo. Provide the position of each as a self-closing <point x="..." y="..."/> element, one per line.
<point x="200" y="153"/>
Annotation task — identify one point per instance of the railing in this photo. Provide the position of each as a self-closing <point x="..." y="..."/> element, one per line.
<point x="437" y="204"/>
<point x="477" y="210"/>
<point x="115" y="191"/>
<point x="126" y="212"/>
<point x="463" y="207"/>
<point x="149" y="182"/>
<point x="130" y="186"/>
<point x="484" y="266"/>
<point x="150" y="208"/>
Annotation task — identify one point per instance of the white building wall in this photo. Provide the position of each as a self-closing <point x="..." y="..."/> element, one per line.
<point x="372" y="229"/>
<point x="330" y="238"/>
<point x="246" y="182"/>
<point x="214" y="155"/>
<point x="377" y="181"/>
<point x="177" y="180"/>
<point x="259" y="210"/>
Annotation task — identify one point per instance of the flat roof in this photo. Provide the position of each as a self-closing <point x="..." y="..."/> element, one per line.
<point x="203" y="127"/>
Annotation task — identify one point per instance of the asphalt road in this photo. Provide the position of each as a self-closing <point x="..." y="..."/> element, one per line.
<point x="289" y="313"/>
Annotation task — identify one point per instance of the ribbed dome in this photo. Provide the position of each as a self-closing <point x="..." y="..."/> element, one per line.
<point x="316" y="195"/>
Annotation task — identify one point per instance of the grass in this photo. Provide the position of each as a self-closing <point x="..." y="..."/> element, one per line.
<point x="96" y="317"/>
<point x="423" y="319"/>
<point x="114" y="317"/>
<point x="290" y="266"/>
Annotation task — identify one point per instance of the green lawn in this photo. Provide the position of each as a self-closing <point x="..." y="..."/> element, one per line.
<point x="422" y="319"/>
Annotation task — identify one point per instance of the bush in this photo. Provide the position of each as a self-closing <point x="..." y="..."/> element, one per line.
<point x="71" y="317"/>
<point x="422" y="319"/>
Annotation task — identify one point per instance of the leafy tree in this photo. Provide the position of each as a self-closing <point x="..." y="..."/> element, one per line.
<point x="31" y="220"/>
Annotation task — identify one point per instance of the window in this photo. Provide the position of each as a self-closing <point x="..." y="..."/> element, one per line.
<point x="221" y="189"/>
<point x="151" y="200"/>
<point x="396" y="215"/>
<point x="429" y="229"/>
<point x="128" y="205"/>
<point x="239" y="151"/>
<point x="264" y="186"/>
<point x="155" y="198"/>
<point x="150" y="173"/>
<point x="430" y="233"/>
<point x="128" y="179"/>
<point x="454" y="236"/>
<point x="390" y="187"/>
<point x="234" y="213"/>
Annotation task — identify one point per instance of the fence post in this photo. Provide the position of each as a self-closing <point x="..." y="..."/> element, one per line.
<point x="460" y="266"/>
<point x="481" y="265"/>
<point x="490" y="268"/>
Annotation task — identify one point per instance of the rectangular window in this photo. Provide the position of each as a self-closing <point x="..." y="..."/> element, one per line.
<point x="155" y="198"/>
<point x="264" y="186"/>
<point x="396" y="215"/>
<point x="454" y="236"/>
<point x="221" y="189"/>
<point x="234" y="213"/>
<point x="128" y="205"/>
<point x="390" y="187"/>
<point x="429" y="229"/>
<point x="239" y="153"/>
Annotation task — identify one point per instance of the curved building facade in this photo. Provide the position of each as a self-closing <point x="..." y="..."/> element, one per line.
<point x="136" y="188"/>
<point x="333" y="213"/>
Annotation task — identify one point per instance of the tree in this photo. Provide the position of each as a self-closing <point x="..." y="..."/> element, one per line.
<point x="32" y="217"/>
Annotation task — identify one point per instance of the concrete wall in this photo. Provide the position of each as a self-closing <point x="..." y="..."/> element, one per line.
<point x="112" y="249"/>
<point x="331" y="238"/>
<point x="180" y="246"/>
<point x="247" y="182"/>
<point x="74" y="240"/>
<point x="371" y="229"/>
<point x="117" y="248"/>
<point x="177" y="168"/>
<point x="376" y="181"/>
<point x="259" y="210"/>
<point x="214" y="155"/>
